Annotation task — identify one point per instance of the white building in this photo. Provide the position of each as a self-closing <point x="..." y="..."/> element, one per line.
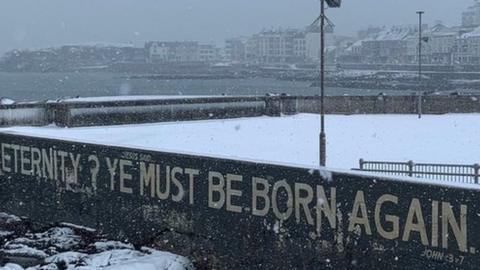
<point x="274" y="47"/>
<point x="468" y="48"/>
<point x="471" y="17"/>
<point x="172" y="52"/>
<point x="208" y="53"/>
<point x="390" y="46"/>
<point x="300" y="46"/>
<point x="312" y="41"/>
<point x="235" y="50"/>
<point x="440" y="44"/>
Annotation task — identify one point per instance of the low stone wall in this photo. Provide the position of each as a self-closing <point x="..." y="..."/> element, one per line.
<point x="94" y="113"/>
<point x="23" y="114"/>
<point x="391" y="104"/>
<point x="74" y="113"/>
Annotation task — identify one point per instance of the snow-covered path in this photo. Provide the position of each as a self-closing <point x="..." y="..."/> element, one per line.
<point x="453" y="138"/>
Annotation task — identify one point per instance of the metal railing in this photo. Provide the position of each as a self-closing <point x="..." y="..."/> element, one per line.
<point x="442" y="172"/>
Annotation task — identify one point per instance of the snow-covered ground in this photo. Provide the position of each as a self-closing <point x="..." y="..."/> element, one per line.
<point x="26" y="245"/>
<point x="449" y="138"/>
<point x="129" y="98"/>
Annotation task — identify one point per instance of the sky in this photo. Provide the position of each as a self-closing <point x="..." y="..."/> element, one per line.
<point x="45" y="23"/>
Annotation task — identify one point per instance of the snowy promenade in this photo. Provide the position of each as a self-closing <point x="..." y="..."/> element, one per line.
<point x="450" y="138"/>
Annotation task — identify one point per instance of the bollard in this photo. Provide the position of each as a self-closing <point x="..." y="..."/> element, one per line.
<point x="273" y="106"/>
<point x="361" y="163"/>
<point x="289" y="105"/>
<point x="410" y="164"/>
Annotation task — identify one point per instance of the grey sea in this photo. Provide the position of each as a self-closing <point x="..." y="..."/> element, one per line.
<point x="41" y="86"/>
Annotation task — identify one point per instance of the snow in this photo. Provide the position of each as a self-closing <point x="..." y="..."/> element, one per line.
<point x="67" y="257"/>
<point x="22" y="250"/>
<point x="58" y="237"/>
<point x="6" y="101"/>
<point x="126" y="98"/>
<point x="448" y="138"/>
<point x="5" y="233"/>
<point x="463" y="81"/>
<point x="128" y="260"/>
<point x="62" y="248"/>
<point x="399" y="32"/>
<point x="101" y="44"/>
<point x="472" y="34"/>
<point x="7" y="218"/>
<point x="109" y="245"/>
<point x="11" y="266"/>
<point x="78" y="227"/>
<point x="123" y="259"/>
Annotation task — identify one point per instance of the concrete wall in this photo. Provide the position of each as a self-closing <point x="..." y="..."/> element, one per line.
<point x="23" y="114"/>
<point x="71" y="113"/>
<point x="94" y="113"/>
<point x="230" y="214"/>
<point x="391" y="104"/>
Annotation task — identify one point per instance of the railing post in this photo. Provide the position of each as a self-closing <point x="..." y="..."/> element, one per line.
<point x="410" y="167"/>
<point x="476" y="167"/>
<point x="361" y="163"/>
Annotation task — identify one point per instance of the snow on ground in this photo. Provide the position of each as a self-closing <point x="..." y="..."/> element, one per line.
<point x="34" y="246"/>
<point x="128" y="98"/>
<point x="6" y="101"/>
<point x="451" y="138"/>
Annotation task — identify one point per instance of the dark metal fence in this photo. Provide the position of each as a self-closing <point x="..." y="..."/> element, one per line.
<point x="442" y="172"/>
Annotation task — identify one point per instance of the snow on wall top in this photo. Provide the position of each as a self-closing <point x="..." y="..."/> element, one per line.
<point x="474" y="33"/>
<point x="126" y="98"/>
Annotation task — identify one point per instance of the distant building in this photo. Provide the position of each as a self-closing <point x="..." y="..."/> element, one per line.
<point x="173" y="52"/>
<point x="208" y="53"/>
<point x="471" y="17"/>
<point x="73" y="57"/>
<point x="235" y="50"/>
<point x="389" y="46"/>
<point x="312" y="44"/>
<point x="252" y="50"/>
<point x="281" y="47"/>
<point x="440" y="44"/>
<point x="399" y="45"/>
<point x="468" y="48"/>
<point x="351" y="54"/>
<point x="276" y="47"/>
<point x="300" y="47"/>
<point x="363" y="34"/>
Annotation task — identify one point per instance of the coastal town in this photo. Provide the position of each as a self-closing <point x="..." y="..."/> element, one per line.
<point x="183" y="135"/>
<point x="445" y="48"/>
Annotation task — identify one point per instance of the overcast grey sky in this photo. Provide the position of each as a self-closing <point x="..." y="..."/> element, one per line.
<point x="44" y="23"/>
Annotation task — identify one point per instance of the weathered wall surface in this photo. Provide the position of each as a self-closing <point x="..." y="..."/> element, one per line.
<point x="391" y="104"/>
<point x="112" y="112"/>
<point x="242" y="215"/>
<point x="24" y="114"/>
<point x="74" y="114"/>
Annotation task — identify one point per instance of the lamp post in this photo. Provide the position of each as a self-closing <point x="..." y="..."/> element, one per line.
<point x="420" y="94"/>
<point x="323" y="136"/>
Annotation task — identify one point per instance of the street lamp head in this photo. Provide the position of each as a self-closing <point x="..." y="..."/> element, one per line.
<point x="420" y="12"/>
<point x="334" y="3"/>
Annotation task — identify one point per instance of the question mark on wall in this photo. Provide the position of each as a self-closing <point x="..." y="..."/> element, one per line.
<point x="94" y="171"/>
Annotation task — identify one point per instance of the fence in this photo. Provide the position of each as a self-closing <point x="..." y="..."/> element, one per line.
<point x="441" y="172"/>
